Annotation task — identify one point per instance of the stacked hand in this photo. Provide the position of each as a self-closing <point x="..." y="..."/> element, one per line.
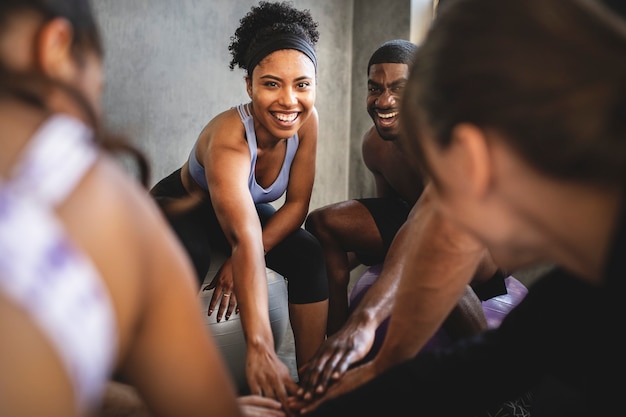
<point x="326" y="375"/>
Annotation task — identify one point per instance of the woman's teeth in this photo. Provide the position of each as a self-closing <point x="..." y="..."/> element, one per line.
<point x="285" y="117"/>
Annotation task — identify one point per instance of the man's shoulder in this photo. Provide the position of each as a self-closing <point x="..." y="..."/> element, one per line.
<point x="371" y="137"/>
<point x="377" y="151"/>
<point x="372" y="144"/>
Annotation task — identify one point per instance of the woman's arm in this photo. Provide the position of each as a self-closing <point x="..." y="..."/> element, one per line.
<point x="165" y="350"/>
<point x="227" y="165"/>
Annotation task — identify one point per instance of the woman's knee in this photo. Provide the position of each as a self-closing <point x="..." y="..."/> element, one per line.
<point x="299" y="258"/>
<point x="306" y="247"/>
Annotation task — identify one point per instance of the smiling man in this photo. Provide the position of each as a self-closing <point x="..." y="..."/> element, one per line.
<point x="431" y="259"/>
<point x="360" y="231"/>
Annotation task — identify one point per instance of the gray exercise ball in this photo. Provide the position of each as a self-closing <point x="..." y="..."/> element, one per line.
<point x="228" y="334"/>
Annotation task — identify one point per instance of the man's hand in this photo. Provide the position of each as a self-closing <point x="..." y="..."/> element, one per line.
<point x="349" y="345"/>
<point x="351" y="380"/>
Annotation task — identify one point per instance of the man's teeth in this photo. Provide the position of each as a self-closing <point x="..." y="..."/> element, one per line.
<point x="387" y="115"/>
<point x="286" y="117"/>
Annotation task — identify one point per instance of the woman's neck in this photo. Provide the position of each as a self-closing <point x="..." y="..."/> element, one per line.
<point x="576" y="221"/>
<point x="19" y="123"/>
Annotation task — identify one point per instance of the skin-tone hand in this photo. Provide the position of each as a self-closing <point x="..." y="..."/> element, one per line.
<point x="257" y="406"/>
<point x="354" y="340"/>
<point x="267" y="375"/>
<point x="223" y="284"/>
<point x="353" y="378"/>
<point x="340" y="350"/>
<point x="360" y="375"/>
<point x="122" y="400"/>
<point x="424" y="247"/>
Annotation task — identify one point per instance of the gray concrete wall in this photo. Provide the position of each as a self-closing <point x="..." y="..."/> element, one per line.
<point x="166" y="69"/>
<point x="167" y="75"/>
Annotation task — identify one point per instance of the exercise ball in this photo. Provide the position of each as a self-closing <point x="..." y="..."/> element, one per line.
<point x="362" y="284"/>
<point x="498" y="307"/>
<point x="495" y="309"/>
<point x="228" y="334"/>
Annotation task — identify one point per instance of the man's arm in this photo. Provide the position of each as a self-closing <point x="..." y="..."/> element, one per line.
<point x="439" y="262"/>
<point x="355" y="338"/>
<point x="426" y="273"/>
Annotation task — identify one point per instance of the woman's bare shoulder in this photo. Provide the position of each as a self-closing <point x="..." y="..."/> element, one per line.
<point x="120" y="226"/>
<point x="224" y="129"/>
<point x="313" y="120"/>
<point x="116" y="218"/>
<point x="309" y="130"/>
<point x="227" y="119"/>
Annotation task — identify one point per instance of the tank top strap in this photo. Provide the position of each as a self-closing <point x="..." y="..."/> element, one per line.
<point x="244" y="111"/>
<point x="55" y="160"/>
<point x="245" y="115"/>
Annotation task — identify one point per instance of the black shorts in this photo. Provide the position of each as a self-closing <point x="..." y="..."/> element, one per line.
<point x="389" y="214"/>
<point x="298" y="257"/>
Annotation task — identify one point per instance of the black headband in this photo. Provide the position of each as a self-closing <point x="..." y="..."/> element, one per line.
<point x="279" y="42"/>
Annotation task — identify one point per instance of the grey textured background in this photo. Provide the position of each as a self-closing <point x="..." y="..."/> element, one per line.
<point x="167" y="75"/>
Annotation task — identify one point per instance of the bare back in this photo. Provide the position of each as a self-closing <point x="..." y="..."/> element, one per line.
<point x="154" y="292"/>
<point x="151" y="287"/>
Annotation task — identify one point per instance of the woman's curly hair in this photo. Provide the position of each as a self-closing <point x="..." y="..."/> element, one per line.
<point x="266" y="20"/>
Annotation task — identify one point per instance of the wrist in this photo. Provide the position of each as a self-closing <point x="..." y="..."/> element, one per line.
<point x="260" y="343"/>
<point x="365" y="317"/>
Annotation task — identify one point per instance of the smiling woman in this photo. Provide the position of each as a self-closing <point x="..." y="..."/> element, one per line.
<point x="75" y="306"/>
<point x="244" y="159"/>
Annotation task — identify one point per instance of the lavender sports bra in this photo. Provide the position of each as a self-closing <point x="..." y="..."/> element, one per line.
<point x="259" y="194"/>
<point x="42" y="271"/>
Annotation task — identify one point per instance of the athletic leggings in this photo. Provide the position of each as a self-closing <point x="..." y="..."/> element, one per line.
<point x="298" y="258"/>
